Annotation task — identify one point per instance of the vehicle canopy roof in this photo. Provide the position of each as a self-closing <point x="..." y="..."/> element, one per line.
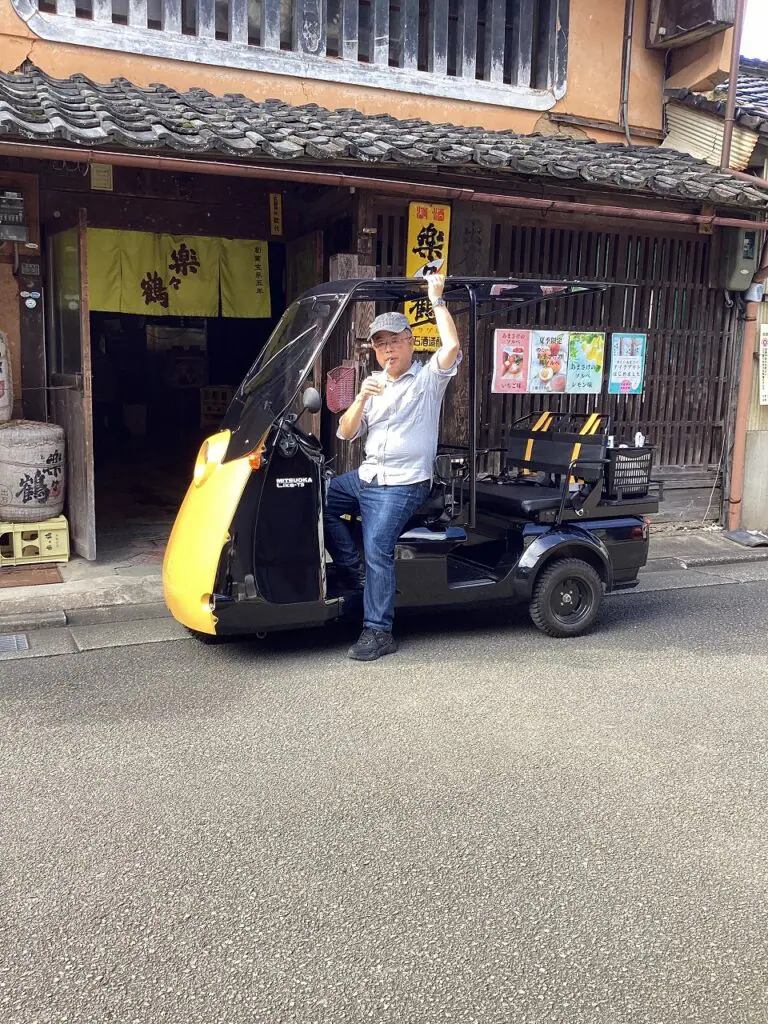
<point x="509" y="291"/>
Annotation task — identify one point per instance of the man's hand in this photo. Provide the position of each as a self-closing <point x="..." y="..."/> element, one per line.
<point x="349" y="424"/>
<point x="449" y="340"/>
<point x="435" y="286"/>
<point x="371" y="387"/>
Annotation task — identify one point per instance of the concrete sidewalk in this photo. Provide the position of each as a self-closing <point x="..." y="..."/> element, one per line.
<point x="125" y="582"/>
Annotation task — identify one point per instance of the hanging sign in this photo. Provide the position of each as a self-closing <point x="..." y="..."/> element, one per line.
<point x="511" y="350"/>
<point x="427" y="253"/>
<point x="764" y="364"/>
<point x="585" y="363"/>
<point x="549" y="362"/>
<point x="275" y="213"/>
<point x="627" y="364"/>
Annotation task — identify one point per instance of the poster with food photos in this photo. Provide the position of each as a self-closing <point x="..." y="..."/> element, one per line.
<point x="511" y="350"/>
<point x="547" y="373"/>
<point x="585" y="363"/>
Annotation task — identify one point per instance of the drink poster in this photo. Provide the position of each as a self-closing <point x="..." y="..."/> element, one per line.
<point x="549" y="362"/>
<point x="585" y="363"/>
<point x="627" y="364"/>
<point x="511" y="350"/>
<point x="764" y="364"/>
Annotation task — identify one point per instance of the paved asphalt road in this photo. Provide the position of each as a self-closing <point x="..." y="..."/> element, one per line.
<point x="490" y="827"/>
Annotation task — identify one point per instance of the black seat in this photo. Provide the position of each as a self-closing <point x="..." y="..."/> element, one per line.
<point x="517" y="499"/>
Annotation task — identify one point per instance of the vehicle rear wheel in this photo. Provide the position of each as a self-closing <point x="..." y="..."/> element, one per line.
<point x="566" y="597"/>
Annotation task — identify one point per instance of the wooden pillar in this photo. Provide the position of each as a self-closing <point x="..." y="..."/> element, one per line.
<point x="469" y="256"/>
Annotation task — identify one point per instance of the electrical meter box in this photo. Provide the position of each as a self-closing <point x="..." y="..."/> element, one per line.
<point x="13" y="219"/>
<point x="738" y="259"/>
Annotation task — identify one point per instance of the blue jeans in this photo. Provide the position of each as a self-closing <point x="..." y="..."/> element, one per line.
<point x="385" y="510"/>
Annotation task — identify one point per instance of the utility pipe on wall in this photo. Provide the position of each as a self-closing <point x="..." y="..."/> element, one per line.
<point x="730" y="103"/>
<point x="738" y="460"/>
<point x="626" y="68"/>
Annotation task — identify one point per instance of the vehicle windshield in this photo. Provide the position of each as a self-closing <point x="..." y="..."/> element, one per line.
<point x="277" y="374"/>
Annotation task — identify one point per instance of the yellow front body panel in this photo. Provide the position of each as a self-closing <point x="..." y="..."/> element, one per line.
<point x="200" y="532"/>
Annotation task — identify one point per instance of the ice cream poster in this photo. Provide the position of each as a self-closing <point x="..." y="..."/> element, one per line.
<point x="549" y="362"/>
<point x="627" y="364"/>
<point x="510" y="361"/>
<point x="585" y="363"/>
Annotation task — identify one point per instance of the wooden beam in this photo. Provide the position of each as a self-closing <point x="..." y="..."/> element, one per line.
<point x="137" y="13"/>
<point x="101" y="11"/>
<point x="171" y="16"/>
<point x="238" y="22"/>
<point x="270" y="24"/>
<point x="309" y="27"/>
<point x="409" y="12"/>
<point x="380" y="47"/>
<point x="466" y="40"/>
<point x="522" y="43"/>
<point x="438" y="37"/>
<point x="495" y="32"/>
<point x="349" y="28"/>
<point x="206" y="19"/>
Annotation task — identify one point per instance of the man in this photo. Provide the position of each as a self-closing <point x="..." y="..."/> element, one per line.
<point x="398" y="412"/>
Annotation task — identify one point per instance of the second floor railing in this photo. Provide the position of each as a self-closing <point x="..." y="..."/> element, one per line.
<point x="500" y="51"/>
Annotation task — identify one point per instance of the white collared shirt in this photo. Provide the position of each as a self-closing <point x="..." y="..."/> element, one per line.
<point x="401" y="425"/>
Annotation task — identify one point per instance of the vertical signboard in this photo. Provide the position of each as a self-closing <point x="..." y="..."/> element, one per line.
<point x="764" y="364"/>
<point x="429" y="227"/>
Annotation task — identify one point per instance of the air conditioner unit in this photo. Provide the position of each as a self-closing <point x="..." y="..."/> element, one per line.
<point x="675" y="23"/>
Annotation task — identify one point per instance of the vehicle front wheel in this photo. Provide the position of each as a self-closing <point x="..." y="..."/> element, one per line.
<point x="566" y="598"/>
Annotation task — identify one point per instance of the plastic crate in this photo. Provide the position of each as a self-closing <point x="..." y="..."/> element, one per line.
<point x="214" y="402"/>
<point x="34" y="543"/>
<point x="627" y="473"/>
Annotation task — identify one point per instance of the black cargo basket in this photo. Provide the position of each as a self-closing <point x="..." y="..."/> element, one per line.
<point x="627" y="473"/>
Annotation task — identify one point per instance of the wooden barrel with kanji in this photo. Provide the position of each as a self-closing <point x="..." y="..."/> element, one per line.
<point x="32" y="471"/>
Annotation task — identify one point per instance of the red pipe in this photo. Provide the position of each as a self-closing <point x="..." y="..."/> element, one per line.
<point x="383" y="185"/>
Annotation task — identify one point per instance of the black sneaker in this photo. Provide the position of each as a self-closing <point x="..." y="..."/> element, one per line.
<point x="351" y="577"/>
<point x="371" y="645"/>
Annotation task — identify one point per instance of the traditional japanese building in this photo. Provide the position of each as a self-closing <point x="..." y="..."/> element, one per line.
<point x="168" y="226"/>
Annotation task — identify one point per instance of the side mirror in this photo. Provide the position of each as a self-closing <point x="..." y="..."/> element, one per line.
<point x="312" y="401"/>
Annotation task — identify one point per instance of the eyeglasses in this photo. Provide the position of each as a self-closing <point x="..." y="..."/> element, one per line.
<point x="397" y="339"/>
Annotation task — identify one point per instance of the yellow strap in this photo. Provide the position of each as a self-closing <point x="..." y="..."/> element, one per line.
<point x="590" y="427"/>
<point x="542" y="423"/>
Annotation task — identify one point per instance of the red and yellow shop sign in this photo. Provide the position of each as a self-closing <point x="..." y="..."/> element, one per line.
<point x="428" y="237"/>
<point x="176" y="275"/>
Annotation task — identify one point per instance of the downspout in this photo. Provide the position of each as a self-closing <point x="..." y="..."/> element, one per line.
<point x="738" y="460"/>
<point x="626" y="68"/>
<point x="730" y="103"/>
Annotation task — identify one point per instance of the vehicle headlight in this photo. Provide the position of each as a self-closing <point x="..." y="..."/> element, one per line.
<point x="212" y="451"/>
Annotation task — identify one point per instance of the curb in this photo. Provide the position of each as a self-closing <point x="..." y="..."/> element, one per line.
<point x="94" y="616"/>
<point x="734" y="559"/>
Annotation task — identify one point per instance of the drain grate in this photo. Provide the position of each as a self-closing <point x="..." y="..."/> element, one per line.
<point x="13" y="642"/>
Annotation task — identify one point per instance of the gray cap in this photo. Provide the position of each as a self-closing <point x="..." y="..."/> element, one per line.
<point x="394" y="323"/>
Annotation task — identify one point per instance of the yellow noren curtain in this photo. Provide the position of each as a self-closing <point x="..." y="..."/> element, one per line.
<point x="244" y="278"/>
<point x="177" y="275"/>
<point x="104" y="270"/>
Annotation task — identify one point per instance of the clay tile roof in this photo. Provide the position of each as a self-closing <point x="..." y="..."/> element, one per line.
<point x="751" y="96"/>
<point x="36" y="107"/>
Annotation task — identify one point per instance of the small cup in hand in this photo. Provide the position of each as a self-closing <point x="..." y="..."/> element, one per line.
<point x="373" y="385"/>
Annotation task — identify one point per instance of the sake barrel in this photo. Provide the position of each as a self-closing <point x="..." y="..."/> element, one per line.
<point x="32" y="471"/>
<point x="6" y="383"/>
